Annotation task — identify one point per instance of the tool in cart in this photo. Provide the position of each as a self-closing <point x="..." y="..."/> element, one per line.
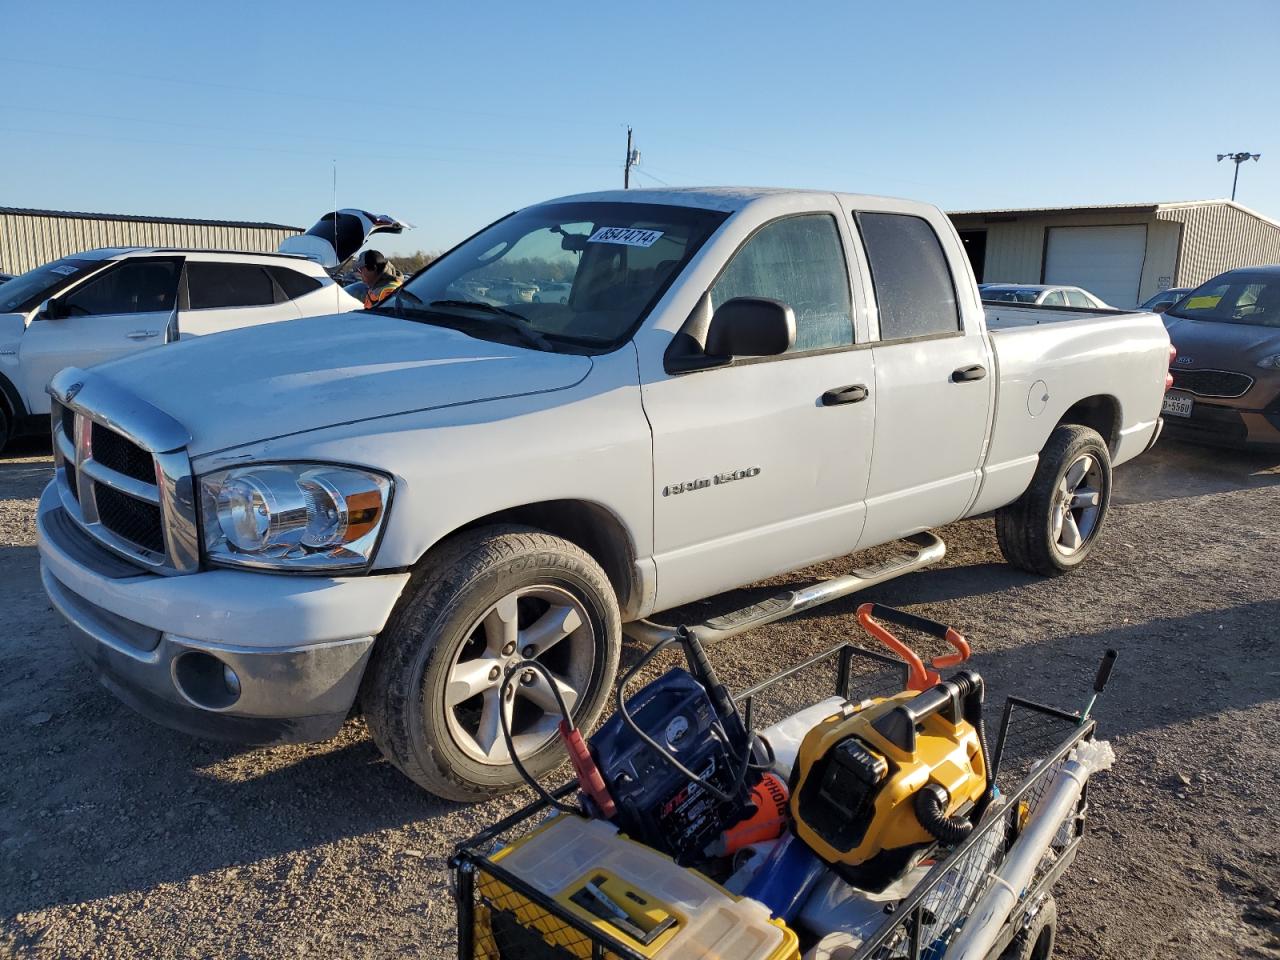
<point x="1099" y="683"/>
<point x="676" y="767"/>
<point x="919" y="676"/>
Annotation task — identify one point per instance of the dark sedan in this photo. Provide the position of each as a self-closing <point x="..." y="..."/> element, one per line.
<point x="1226" y="378"/>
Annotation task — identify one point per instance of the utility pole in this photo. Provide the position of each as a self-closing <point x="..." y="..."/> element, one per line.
<point x="633" y="158"/>
<point x="1237" y="158"/>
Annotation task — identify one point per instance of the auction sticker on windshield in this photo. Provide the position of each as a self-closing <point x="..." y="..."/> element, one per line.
<point x="630" y="236"/>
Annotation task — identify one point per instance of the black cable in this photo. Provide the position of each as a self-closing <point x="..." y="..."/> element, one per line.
<point x="506" y="729"/>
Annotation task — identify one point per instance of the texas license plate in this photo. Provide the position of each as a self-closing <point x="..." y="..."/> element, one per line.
<point x="1178" y="404"/>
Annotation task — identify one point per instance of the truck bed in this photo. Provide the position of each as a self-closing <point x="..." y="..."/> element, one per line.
<point x="1001" y="316"/>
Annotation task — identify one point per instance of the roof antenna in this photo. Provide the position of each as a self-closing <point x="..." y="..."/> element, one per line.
<point x="337" y="297"/>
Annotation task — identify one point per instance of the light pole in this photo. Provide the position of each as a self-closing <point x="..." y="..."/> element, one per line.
<point x="1238" y="158"/>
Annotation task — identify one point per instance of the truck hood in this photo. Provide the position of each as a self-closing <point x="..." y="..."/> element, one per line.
<point x="1226" y="346"/>
<point x="277" y="379"/>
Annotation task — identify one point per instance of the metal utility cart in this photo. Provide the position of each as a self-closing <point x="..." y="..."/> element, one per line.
<point x="501" y="917"/>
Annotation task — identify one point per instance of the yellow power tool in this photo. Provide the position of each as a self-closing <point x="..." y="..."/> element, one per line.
<point x="878" y="782"/>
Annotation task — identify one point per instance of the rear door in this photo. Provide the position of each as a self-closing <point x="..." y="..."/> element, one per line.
<point x="933" y="377"/>
<point x="220" y="295"/>
<point x="123" y="309"/>
<point x="754" y="473"/>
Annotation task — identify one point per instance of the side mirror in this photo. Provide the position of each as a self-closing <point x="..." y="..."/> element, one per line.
<point x="1161" y="307"/>
<point x="51" y="309"/>
<point x="751" y="327"/>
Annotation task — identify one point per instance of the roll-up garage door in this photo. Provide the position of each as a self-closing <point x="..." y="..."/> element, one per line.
<point x="1106" y="261"/>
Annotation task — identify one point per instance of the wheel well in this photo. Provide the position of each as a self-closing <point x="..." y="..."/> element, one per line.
<point x="1102" y="413"/>
<point x="589" y="525"/>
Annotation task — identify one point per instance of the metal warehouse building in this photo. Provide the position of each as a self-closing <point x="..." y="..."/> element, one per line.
<point x="29" y="238"/>
<point x="1124" y="253"/>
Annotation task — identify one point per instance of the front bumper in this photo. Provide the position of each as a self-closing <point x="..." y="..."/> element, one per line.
<point x="296" y="646"/>
<point x="1219" y="424"/>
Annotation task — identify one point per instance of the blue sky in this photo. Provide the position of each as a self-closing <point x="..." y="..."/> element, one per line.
<point x="451" y="115"/>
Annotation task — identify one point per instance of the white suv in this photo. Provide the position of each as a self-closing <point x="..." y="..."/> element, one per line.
<point x="96" y="306"/>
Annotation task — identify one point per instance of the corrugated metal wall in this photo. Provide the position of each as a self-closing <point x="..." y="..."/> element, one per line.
<point x="28" y="240"/>
<point x="1218" y="237"/>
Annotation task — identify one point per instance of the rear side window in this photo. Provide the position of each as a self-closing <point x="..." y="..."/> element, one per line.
<point x="211" y="285"/>
<point x="135" y="286"/>
<point x="293" y="283"/>
<point x="912" y="281"/>
<point x="1076" y="298"/>
<point x="1055" y="299"/>
<point x="799" y="261"/>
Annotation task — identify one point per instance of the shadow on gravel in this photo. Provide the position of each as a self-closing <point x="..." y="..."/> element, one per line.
<point x="145" y="806"/>
<point x="1169" y="671"/>
<point x="1172" y="470"/>
<point x="23" y="480"/>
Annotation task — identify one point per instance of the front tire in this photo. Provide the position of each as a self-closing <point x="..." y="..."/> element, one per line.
<point x="487" y="599"/>
<point x="1053" y="526"/>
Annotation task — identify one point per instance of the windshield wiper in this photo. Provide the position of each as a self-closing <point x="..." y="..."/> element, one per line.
<point x="508" y="319"/>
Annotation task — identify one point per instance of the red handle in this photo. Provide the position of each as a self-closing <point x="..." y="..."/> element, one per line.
<point x="589" y="778"/>
<point x="919" y="677"/>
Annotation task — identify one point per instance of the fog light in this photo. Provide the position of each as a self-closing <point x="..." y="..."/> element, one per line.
<point x="231" y="680"/>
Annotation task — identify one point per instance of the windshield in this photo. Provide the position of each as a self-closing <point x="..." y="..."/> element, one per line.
<point x="26" y="292"/>
<point x="1011" y="296"/>
<point x="584" y="273"/>
<point x="1233" y="298"/>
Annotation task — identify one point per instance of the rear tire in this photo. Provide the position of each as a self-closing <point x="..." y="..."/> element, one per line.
<point x="1053" y="526"/>
<point x="1036" y="940"/>
<point x="486" y="599"/>
<point x="5" y="427"/>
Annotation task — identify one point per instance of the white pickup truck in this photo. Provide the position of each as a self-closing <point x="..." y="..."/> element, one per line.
<point x="255" y="532"/>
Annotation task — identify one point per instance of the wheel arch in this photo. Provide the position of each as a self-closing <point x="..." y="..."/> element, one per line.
<point x="1100" y="412"/>
<point x="591" y="526"/>
<point x="12" y="400"/>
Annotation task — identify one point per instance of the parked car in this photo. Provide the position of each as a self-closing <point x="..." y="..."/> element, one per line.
<point x="1042" y="295"/>
<point x="553" y="292"/>
<point x="1226" y="378"/>
<point x="102" y="304"/>
<point x="1165" y="299"/>
<point x="449" y="486"/>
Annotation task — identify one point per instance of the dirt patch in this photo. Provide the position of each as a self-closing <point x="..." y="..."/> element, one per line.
<point x="120" y="838"/>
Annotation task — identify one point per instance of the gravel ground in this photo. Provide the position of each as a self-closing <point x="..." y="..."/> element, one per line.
<point x="119" y="838"/>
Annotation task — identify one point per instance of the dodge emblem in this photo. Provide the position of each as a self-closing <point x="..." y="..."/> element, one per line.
<point x="71" y="391"/>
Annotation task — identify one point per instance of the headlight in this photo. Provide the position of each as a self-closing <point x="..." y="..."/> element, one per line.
<point x="1270" y="363"/>
<point x="293" y="516"/>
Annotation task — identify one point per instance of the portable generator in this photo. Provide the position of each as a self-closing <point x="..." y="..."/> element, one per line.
<point x="878" y="782"/>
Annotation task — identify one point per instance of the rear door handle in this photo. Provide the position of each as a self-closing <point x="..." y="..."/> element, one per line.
<point x="142" y="334"/>
<point x="854" y="393"/>
<point x="967" y="374"/>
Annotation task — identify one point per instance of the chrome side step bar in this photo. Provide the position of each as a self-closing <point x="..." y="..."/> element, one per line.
<point x="928" y="549"/>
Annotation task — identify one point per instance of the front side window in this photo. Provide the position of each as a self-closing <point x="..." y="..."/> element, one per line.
<point x="799" y="261"/>
<point x="135" y="286"/>
<point x="581" y="273"/>
<point x="211" y="285"/>
<point x="1239" y="298"/>
<point x="1077" y="298"/>
<point x="911" y="277"/>
<point x="1054" y="298"/>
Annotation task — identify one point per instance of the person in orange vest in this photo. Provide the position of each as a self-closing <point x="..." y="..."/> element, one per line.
<point x="381" y="277"/>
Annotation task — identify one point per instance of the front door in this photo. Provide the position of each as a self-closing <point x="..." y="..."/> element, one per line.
<point x="934" y="377"/>
<point x="754" y="473"/>
<point x="123" y="309"/>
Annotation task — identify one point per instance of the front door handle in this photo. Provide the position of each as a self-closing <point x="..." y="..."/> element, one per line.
<point x="968" y="374"/>
<point x="854" y="393"/>
<point x="142" y="334"/>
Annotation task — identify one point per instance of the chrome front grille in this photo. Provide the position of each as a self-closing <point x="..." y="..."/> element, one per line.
<point x="123" y="473"/>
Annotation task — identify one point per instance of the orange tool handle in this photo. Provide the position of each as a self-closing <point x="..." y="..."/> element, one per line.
<point x="919" y="677"/>
<point x="589" y="778"/>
